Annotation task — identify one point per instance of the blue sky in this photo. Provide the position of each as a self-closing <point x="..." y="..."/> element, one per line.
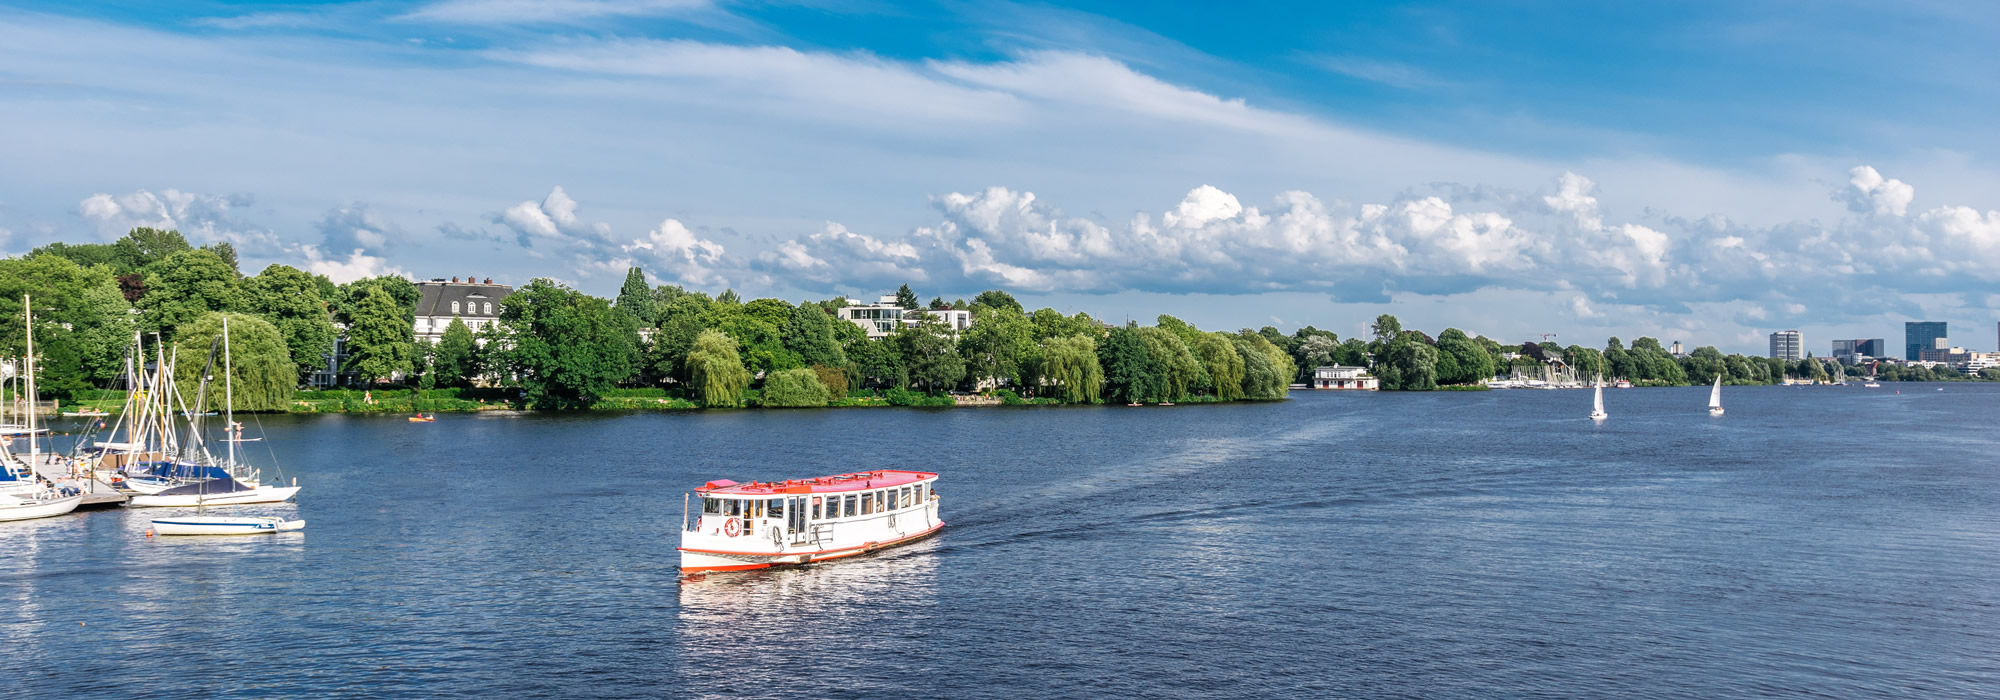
<point x="1706" y="172"/>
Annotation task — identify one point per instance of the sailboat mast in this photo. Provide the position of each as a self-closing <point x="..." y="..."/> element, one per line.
<point x="28" y="309"/>
<point x="228" y="395"/>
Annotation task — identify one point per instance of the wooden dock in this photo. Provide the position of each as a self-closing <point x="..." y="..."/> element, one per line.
<point x="97" y="494"/>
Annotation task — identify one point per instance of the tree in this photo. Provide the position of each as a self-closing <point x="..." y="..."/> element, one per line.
<point x="1409" y="365"/>
<point x="996" y="299"/>
<point x="997" y="345"/>
<point x="636" y="300"/>
<point x="680" y="323"/>
<point x="185" y="286"/>
<point x="1179" y="371"/>
<point x="1129" y="372"/>
<point x="716" y="371"/>
<point x="1315" y="351"/>
<point x="1267" y="370"/>
<point x="1617" y="362"/>
<point x="379" y="341"/>
<point x="83" y="325"/>
<point x="455" y="360"/>
<point x="290" y="300"/>
<point x="877" y="362"/>
<point x="262" y="376"/>
<point x="833" y="378"/>
<point x="794" y="388"/>
<point x="1387" y="328"/>
<point x="756" y="326"/>
<point x="1353" y="353"/>
<point x="930" y="354"/>
<point x="808" y="333"/>
<point x="566" y="348"/>
<point x="1467" y="361"/>
<point x="906" y="298"/>
<point x="1071" y="364"/>
<point x="1223" y="364"/>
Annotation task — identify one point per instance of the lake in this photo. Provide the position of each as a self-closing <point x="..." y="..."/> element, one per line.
<point x="1813" y="541"/>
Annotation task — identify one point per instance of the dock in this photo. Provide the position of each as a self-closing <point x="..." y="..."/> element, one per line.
<point x="96" y="494"/>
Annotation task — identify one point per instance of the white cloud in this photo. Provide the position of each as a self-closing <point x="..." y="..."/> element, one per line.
<point x="685" y="257"/>
<point x="1868" y="193"/>
<point x="555" y="217"/>
<point x="356" y="265"/>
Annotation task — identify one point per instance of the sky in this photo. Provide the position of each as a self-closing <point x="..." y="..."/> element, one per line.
<point x="1700" y="172"/>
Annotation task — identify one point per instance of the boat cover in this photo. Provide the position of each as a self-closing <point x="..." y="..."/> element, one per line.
<point x="178" y="470"/>
<point x="222" y="484"/>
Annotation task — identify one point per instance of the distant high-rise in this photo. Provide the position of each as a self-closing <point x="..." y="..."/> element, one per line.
<point x="1788" y="345"/>
<point x="1851" y="351"/>
<point x="1919" y="336"/>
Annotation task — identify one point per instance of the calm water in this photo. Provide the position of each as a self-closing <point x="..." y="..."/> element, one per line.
<point x="1823" y="541"/>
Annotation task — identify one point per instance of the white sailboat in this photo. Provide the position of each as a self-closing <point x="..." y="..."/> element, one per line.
<point x="1715" y="397"/>
<point x="25" y="495"/>
<point x="1597" y="407"/>
<point x="235" y="485"/>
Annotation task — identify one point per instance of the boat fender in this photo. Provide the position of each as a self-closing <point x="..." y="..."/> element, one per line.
<point x="729" y="527"/>
<point x="777" y="539"/>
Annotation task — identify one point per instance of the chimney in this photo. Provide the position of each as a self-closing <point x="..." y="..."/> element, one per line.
<point x="489" y="280"/>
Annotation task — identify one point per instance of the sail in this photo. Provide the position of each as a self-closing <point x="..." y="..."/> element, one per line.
<point x="1597" y="408"/>
<point x="1715" y="394"/>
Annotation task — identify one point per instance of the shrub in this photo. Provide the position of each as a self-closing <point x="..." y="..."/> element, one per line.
<point x="833" y="378"/>
<point x="794" y="388"/>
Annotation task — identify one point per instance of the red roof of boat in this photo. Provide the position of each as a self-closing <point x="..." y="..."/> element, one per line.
<point x="858" y="481"/>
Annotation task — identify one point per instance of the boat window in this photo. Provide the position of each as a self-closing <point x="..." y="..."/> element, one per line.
<point x="919" y="488"/>
<point x="815" y="510"/>
<point x="777" y="507"/>
<point x="882" y="499"/>
<point x="711" y="506"/>
<point x="867" y="503"/>
<point x="905" y="503"/>
<point x="733" y="508"/>
<point x="850" y="506"/>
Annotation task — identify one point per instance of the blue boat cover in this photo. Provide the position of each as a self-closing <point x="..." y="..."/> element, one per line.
<point x="206" y="486"/>
<point x="178" y="470"/>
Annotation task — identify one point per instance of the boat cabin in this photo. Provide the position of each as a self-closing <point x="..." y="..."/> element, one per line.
<point x="799" y="508"/>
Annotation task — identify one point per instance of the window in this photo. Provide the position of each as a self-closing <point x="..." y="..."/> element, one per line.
<point x="919" y="489"/>
<point x="815" y="510"/>
<point x="851" y="508"/>
<point x="867" y="503"/>
<point x="732" y="508"/>
<point x="777" y="507"/>
<point x="454" y="307"/>
<point x="711" y="506"/>
<point x="489" y="308"/>
<point x="906" y="497"/>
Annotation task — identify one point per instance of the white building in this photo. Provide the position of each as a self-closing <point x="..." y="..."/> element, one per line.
<point x="883" y="318"/>
<point x="1788" y="345"/>
<point x="1343" y="377"/>
<point x="474" y="302"/>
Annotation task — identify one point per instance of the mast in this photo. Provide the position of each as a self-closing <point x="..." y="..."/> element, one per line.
<point x="228" y="396"/>
<point x="34" y="453"/>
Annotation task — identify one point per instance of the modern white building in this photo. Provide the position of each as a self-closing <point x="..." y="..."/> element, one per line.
<point x="1343" y="377"/>
<point x="475" y="302"/>
<point x="883" y="318"/>
<point x="1788" y="345"/>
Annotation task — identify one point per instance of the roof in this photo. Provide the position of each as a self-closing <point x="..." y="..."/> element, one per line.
<point x="858" y="481"/>
<point x="436" y="298"/>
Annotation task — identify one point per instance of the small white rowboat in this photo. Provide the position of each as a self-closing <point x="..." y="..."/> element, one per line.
<point x="225" y="525"/>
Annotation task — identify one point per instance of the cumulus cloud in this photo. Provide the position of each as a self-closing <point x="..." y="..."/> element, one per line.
<point x="202" y="218"/>
<point x="354" y="227"/>
<point x="1867" y="192"/>
<point x="678" y="252"/>
<point x="553" y="218"/>
<point x="356" y="265"/>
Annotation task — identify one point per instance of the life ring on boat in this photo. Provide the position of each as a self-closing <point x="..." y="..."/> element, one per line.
<point x="730" y="528"/>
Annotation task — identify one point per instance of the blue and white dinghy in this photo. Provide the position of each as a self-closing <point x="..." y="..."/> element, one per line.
<point x="225" y="525"/>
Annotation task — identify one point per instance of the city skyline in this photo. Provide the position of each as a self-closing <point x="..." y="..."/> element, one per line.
<point x="1702" y="177"/>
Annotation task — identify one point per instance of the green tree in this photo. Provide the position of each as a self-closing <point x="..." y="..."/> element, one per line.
<point x="82" y="322"/>
<point x="1223" y="364"/>
<point x="1409" y="365"/>
<point x="808" y="334"/>
<point x="794" y="388"/>
<point x="635" y="299"/>
<point x="680" y="323"/>
<point x="996" y="299"/>
<point x="261" y="370"/>
<point x="185" y="286"/>
<point x="566" y="348"/>
<point x="907" y="298"/>
<point x="1267" y="369"/>
<point x="1130" y="375"/>
<point x="1179" y="371"/>
<point x="998" y="345"/>
<point x="1315" y="350"/>
<point x="1618" y="362"/>
<point x="1468" y="362"/>
<point x="402" y="293"/>
<point x="1071" y="364"/>
<point x="1353" y="353"/>
<point x="715" y="369"/>
<point x="379" y="342"/>
<point x="455" y="360"/>
<point x="877" y="362"/>
<point x="290" y="300"/>
<point x="930" y="354"/>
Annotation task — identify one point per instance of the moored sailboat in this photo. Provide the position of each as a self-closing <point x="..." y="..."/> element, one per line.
<point x="207" y="483"/>
<point x="24" y="494"/>
<point x="739" y="527"/>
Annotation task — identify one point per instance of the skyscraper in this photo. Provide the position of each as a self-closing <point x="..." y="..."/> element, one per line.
<point x="1919" y="336"/>
<point x="1851" y="351"/>
<point x="1788" y="345"/>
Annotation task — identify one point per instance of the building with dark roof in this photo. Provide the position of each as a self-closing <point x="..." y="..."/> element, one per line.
<point x="473" y="301"/>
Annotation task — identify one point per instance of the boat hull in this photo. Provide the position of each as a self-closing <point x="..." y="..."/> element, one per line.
<point x="29" y="510"/>
<point x="262" y="494"/>
<point x="695" y="560"/>
<point x="225" y="525"/>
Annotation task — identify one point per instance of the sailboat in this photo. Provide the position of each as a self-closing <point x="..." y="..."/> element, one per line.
<point x="1715" y="397"/>
<point x="25" y="495"/>
<point x="230" y="484"/>
<point x="1597" y="406"/>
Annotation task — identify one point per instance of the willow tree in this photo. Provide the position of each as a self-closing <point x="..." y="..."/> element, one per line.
<point x="716" y="370"/>
<point x="794" y="388"/>
<point x="1180" y="372"/>
<point x="1225" y="368"/>
<point x="1071" y="363"/>
<point x="263" y="376"/>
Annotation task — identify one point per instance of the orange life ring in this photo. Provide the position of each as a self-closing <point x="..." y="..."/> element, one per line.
<point x="730" y="528"/>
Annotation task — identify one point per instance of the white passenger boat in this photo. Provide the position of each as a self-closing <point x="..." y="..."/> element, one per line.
<point x="225" y="525"/>
<point x="758" y="525"/>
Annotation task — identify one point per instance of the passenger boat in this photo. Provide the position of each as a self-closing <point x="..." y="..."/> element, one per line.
<point x="758" y="525"/>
